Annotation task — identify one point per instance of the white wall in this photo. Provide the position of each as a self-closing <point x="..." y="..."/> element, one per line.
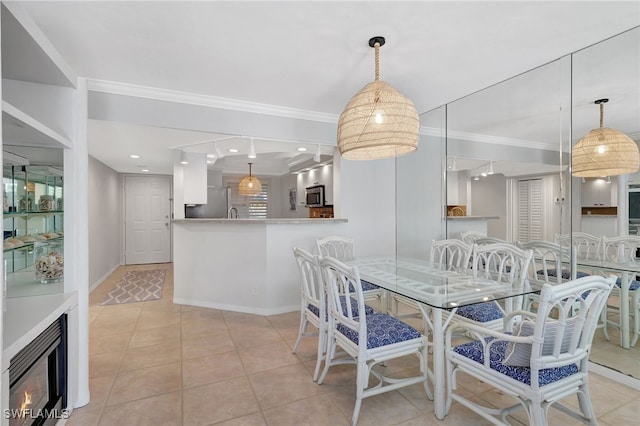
<point x="105" y="221"/>
<point x="489" y="198"/>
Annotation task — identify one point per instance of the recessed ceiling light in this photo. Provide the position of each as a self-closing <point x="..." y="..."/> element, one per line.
<point x="145" y="170"/>
<point x="302" y="149"/>
<point x="210" y="162"/>
<point x="233" y="150"/>
<point x="134" y="156"/>
<point x="211" y="156"/>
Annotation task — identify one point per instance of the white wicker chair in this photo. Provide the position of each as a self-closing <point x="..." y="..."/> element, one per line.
<point x="313" y="309"/>
<point x="543" y="361"/>
<point x="551" y="263"/>
<point x="624" y="250"/>
<point x="368" y="340"/>
<point x="343" y="249"/>
<point x="470" y="237"/>
<point x="506" y="264"/>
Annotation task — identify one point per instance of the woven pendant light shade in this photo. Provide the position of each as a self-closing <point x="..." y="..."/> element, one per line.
<point x="378" y="122"/>
<point x="250" y="185"/>
<point x="604" y="152"/>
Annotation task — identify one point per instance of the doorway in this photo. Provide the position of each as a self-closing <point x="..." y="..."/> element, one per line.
<point x="147" y="219"/>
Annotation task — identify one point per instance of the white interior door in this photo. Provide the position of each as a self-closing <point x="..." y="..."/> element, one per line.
<point x="147" y="219"/>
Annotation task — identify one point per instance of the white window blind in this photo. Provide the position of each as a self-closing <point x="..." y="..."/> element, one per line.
<point x="530" y="215"/>
<point x="252" y="207"/>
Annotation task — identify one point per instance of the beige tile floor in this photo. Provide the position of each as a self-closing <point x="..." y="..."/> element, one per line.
<point x="156" y="363"/>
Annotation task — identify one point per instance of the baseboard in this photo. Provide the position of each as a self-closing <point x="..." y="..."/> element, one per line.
<point x="237" y="308"/>
<point x="615" y="375"/>
<point x="101" y="279"/>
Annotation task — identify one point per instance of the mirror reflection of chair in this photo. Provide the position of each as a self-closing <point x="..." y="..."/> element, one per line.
<point x="450" y="255"/>
<point x="624" y="250"/>
<point x="343" y="249"/>
<point x="490" y="240"/>
<point x="470" y="237"/>
<point x="369" y="340"/>
<point x="502" y="263"/>
<point x="542" y="362"/>
<point x="587" y="246"/>
<point x="550" y="263"/>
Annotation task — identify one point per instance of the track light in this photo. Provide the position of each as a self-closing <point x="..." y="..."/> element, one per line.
<point x="316" y="157"/>
<point x="252" y="150"/>
<point x="490" y="172"/>
<point x="183" y="159"/>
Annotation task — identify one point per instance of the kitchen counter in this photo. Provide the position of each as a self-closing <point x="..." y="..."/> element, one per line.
<point x="302" y="220"/>
<point x="244" y="265"/>
<point x="458" y="224"/>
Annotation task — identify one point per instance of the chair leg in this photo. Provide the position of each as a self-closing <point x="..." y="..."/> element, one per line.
<point x="322" y="346"/>
<point x="330" y="354"/>
<point x="584" y="402"/>
<point x="537" y="414"/>
<point x="635" y="308"/>
<point x="362" y="381"/>
<point x="604" y="318"/>
<point x="303" y="329"/>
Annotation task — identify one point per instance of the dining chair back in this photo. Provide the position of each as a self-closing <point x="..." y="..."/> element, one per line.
<point x="489" y="240"/>
<point x="369" y="339"/>
<point x="450" y="255"/>
<point x="313" y="308"/>
<point x="550" y="262"/>
<point x="586" y="246"/>
<point x="470" y="237"/>
<point x="501" y="263"/>
<point x="342" y="248"/>
<point x="544" y="359"/>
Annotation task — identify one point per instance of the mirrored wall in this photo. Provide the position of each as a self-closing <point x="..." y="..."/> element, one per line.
<point x="498" y="162"/>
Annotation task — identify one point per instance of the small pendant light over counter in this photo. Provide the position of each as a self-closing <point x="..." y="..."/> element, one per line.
<point x="379" y="121"/>
<point x="604" y="152"/>
<point x="250" y="185"/>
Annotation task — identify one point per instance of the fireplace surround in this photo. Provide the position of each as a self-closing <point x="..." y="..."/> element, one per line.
<point x="38" y="379"/>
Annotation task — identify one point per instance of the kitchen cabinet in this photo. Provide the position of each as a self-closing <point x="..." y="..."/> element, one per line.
<point x="599" y="193"/>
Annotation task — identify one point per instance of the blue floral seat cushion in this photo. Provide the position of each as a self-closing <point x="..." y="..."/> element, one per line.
<point x="474" y="351"/>
<point x="634" y="284"/>
<point x="382" y="330"/>
<point x="565" y="273"/>
<point x="366" y="286"/>
<point x="368" y="310"/>
<point x="481" y="312"/>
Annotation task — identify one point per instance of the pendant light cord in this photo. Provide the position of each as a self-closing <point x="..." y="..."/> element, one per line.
<point x="377" y="46"/>
<point x="601" y="114"/>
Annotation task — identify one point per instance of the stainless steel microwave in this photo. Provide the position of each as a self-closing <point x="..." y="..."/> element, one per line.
<point x="315" y="196"/>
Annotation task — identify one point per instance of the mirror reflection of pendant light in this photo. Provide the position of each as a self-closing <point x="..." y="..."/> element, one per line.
<point x="250" y="185"/>
<point x="183" y="158"/>
<point x="316" y="157"/>
<point x="252" y="150"/>
<point x="490" y="171"/>
<point x="604" y="152"/>
<point x="379" y="121"/>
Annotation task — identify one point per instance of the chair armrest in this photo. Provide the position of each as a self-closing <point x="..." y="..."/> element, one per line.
<point x="508" y="317"/>
<point x="481" y="333"/>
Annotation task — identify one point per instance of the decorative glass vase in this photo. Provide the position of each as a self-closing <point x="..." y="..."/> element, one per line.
<point x="49" y="261"/>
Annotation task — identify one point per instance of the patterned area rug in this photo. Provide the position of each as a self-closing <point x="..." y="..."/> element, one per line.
<point x="137" y="286"/>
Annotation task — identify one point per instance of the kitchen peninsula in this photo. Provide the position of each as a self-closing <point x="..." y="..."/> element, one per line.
<point x="243" y="265"/>
<point x="457" y="224"/>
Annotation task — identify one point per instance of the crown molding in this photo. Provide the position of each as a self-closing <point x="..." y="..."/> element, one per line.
<point x="498" y="140"/>
<point x="125" y="89"/>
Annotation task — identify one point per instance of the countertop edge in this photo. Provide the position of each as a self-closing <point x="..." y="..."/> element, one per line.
<point x="472" y="217"/>
<point x="299" y="221"/>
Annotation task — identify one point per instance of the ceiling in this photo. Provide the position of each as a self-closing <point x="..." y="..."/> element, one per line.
<point x="306" y="56"/>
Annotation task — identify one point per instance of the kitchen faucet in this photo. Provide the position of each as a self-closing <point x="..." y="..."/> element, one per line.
<point x="231" y="211"/>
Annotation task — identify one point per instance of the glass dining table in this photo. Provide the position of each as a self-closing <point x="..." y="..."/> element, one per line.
<point x="440" y="290"/>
